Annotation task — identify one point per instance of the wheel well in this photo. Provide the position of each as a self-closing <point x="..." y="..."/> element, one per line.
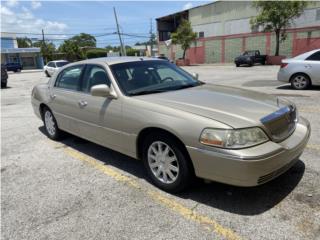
<point x="153" y="130"/>
<point x="41" y="108"/>
<point x="300" y="73"/>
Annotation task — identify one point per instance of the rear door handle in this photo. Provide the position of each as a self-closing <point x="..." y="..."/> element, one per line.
<point x="82" y="103"/>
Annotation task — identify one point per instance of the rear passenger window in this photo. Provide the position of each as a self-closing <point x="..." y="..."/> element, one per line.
<point x="94" y="75"/>
<point x="314" y="57"/>
<point x="69" y="78"/>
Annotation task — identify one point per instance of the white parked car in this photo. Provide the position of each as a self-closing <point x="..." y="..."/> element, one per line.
<point x="53" y="66"/>
<point x="301" y="71"/>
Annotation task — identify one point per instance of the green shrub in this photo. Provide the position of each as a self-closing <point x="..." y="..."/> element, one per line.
<point x="96" y="53"/>
<point x="132" y="52"/>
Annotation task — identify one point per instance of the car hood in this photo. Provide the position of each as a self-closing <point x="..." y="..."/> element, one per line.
<point x="235" y="107"/>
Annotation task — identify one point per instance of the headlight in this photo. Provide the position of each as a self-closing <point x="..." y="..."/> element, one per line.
<point x="233" y="138"/>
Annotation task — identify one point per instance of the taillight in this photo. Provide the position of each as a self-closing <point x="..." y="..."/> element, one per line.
<point x="283" y="65"/>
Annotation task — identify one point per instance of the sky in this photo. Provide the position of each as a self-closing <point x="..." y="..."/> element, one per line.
<point x="62" y="19"/>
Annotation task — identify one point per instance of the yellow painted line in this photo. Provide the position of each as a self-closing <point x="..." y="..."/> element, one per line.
<point x="309" y="109"/>
<point x="158" y="197"/>
<point x="314" y="147"/>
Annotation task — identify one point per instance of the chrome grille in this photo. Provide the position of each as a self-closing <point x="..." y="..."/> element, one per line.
<point x="281" y="123"/>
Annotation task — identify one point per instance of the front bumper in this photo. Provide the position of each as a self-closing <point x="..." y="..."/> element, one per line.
<point x="251" y="166"/>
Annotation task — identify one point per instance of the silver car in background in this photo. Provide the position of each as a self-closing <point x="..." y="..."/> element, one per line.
<point x="301" y="71"/>
<point x="180" y="127"/>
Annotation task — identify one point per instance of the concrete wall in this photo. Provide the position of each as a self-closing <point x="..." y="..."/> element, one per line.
<point x="227" y="33"/>
<point x="226" y="48"/>
<point x="233" y="17"/>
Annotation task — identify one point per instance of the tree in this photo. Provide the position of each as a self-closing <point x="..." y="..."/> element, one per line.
<point x="84" y="40"/>
<point x="277" y="16"/>
<point x="24" y="42"/>
<point x="72" y="50"/>
<point x="184" y="36"/>
<point x="48" y="49"/>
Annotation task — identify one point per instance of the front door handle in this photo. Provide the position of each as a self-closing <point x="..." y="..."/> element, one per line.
<point x="82" y="103"/>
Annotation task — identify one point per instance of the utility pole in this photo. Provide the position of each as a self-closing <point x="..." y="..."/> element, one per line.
<point x="122" y="49"/>
<point x="44" y="45"/>
<point x="151" y="38"/>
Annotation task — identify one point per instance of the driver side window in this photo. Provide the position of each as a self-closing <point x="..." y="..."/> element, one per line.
<point x="94" y="75"/>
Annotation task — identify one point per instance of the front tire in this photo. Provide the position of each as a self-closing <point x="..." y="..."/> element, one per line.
<point x="300" y="81"/>
<point x="3" y="85"/>
<point x="47" y="74"/>
<point x="166" y="163"/>
<point x="50" y="124"/>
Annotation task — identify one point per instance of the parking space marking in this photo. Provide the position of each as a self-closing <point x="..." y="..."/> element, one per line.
<point x="309" y="109"/>
<point x="158" y="197"/>
<point x="314" y="147"/>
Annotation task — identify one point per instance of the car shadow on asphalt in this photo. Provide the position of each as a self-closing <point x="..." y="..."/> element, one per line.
<point x="238" y="200"/>
<point x="288" y="87"/>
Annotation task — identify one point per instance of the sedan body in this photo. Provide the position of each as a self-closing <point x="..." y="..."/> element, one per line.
<point x="301" y="71"/>
<point x="53" y="66"/>
<point x="180" y="127"/>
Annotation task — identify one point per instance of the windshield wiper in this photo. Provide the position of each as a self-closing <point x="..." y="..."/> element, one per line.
<point x="147" y="92"/>
<point x="188" y="86"/>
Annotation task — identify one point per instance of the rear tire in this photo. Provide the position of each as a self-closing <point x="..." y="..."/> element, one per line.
<point x="50" y="124"/>
<point x="167" y="164"/>
<point x="300" y="81"/>
<point x="237" y="64"/>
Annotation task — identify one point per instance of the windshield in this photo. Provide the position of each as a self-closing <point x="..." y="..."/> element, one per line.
<point x="61" y="64"/>
<point x="143" y="77"/>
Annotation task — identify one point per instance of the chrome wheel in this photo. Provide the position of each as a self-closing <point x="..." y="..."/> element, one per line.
<point x="300" y="82"/>
<point x="50" y="124"/>
<point x="163" y="162"/>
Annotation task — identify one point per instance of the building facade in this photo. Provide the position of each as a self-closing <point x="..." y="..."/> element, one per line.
<point x="30" y="58"/>
<point x="224" y="31"/>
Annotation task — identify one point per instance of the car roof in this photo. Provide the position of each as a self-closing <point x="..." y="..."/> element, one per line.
<point x="303" y="56"/>
<point x="115" y="60"/>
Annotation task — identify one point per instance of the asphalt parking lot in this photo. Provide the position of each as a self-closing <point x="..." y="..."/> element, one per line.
<point x="75" y="189"/>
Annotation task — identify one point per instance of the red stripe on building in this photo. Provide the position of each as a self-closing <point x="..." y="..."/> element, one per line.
<point x="268" y="43"/>
<point x="243" y="44"/>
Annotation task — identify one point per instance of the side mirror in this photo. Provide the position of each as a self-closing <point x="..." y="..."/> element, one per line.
<point x="195" y="76"/>
<point x="102" y="90"/>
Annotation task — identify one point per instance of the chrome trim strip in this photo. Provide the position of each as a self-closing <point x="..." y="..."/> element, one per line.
<point x="236" y="157"/>
<point x="277" y="114"/>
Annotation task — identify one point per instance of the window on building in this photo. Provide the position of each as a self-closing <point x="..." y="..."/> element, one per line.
<point x="201" y="34"/>
<point x="318" y="15"/>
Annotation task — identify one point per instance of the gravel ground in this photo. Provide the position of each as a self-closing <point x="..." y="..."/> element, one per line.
<point x="78" y="190"/>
